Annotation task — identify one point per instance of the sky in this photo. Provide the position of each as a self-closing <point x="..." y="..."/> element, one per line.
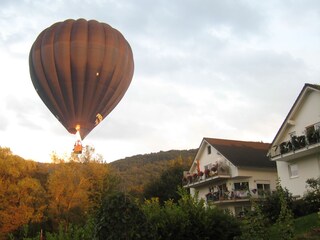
<point x="203" y="68"/>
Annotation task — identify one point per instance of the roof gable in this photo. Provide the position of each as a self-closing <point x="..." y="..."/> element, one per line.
<point x="243" y="153"/>
<point x="295" y="107"/>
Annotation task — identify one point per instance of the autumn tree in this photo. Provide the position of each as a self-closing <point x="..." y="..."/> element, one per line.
<point x="22" y="198"/>
<point x="77" y="186"/>
<point x="67" y="190"/>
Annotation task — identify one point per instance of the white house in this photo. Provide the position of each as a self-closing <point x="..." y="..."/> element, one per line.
<point x="227" y="173"/>
<point x="296" y="146"/>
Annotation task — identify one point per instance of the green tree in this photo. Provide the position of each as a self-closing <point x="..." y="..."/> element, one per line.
<point x="271" y="206"/>
<point x="312" y="197"/>
<point x="189" y="218"/>
<point x="166" y="186"/>
<point x="120" y="218"/>
<point x="284" y="223"/>
<point x="168" y="220"/>
<point x="254" y="225"/>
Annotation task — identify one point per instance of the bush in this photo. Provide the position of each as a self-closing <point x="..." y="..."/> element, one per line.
<point x="310" y="203"/>
<point x="189" y="219"/>
<point x="119" y="217"/>
<point x="312" y="198"/>
<point x="271" y="206"/>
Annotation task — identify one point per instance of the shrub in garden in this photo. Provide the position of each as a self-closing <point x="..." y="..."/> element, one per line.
<point x="119" y="217"/>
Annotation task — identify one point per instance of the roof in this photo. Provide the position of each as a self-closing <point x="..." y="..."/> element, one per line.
<point x="315" y="86"/>
<point x="243" y="153"/>
<point x="297" y="101"/>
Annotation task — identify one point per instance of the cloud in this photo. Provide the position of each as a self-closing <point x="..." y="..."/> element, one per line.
<point x="228" y="69"/>
<point x="4" y="122"/>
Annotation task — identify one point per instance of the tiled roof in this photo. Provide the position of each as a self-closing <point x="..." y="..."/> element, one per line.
<point x="242" y="153"/>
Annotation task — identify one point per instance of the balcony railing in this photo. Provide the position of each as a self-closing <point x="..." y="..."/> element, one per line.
<point x="194" y="179"/>
<point x="296" y="143"/>
<point x="235" y="195"/>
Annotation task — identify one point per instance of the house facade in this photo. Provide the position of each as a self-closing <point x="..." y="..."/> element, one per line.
<point x="296" y="146"/>
<point x="228" y="173"/>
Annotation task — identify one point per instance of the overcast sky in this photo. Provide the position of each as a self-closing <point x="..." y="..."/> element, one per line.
<point x="203" y="68"/>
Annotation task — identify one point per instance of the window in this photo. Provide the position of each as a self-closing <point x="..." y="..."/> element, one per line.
<point x="293" y="170"/>
<point x="263" y="188"/>
<point x="209" y="149"/>
<point x="241" y="186"/>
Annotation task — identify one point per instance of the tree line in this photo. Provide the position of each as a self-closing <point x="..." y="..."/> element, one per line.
<point x="68" y="191"/>
<point x="46" y="196"/>
<point x="82" y="198"/>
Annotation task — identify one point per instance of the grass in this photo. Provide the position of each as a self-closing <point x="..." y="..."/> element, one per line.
<point x="307" y="227"/>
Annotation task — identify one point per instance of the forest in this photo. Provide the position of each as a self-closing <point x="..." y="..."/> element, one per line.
<point x="46" y="196"/>
<point x="139" y="197"/>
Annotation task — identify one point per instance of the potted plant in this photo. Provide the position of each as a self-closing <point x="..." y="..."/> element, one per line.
<point x="195" y="176"/>
<point x="214" y="168"/>
<point x="189" y="177"/>
<point x="206" y="172"/>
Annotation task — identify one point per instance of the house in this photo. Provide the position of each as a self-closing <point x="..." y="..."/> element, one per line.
<point x="296" y="146"/>
<point x="227" y="173"/>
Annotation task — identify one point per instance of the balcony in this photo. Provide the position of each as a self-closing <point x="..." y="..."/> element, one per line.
<point x="225" y="197"/>
<point x="208" y="176"/>
<point x="297" y="146"/>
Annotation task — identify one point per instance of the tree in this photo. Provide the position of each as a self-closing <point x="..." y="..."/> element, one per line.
<point x="271" y="206"/>
<point x="120" y="218"/>
<point x="312" y="197"/>
<point x="189" y="218"/>
<point x="77" y="187"/>
<point x="22" y="198"/>
<point x="273" y="210"/>
<point x="254" y="224"/>
<point x="89" y="155"/>
<point x="166" y="186"/>
<point x="284" y="222"/>
<point x="68" y="194"/>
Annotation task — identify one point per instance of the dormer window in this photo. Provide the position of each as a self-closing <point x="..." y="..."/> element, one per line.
<point x="209" y="149"/>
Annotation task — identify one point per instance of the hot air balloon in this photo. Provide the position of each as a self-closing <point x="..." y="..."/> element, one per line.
<point x="81" y="70"/>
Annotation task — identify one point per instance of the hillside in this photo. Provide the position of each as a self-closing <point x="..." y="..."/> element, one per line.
<point x="137" y="171"/>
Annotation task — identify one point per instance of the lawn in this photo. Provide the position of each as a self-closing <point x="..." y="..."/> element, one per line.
<point x="307" y="227"/>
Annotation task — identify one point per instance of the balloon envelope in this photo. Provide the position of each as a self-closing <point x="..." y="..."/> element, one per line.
<point x="81" y="70"/>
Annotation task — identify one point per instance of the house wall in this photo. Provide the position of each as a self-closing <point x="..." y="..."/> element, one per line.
<point x="259" y="176"/>
<point x="307" y="113"/>
<point x="212" y="158"/>
<point x="308" y="167"/>
<point x="253" y="176"/>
